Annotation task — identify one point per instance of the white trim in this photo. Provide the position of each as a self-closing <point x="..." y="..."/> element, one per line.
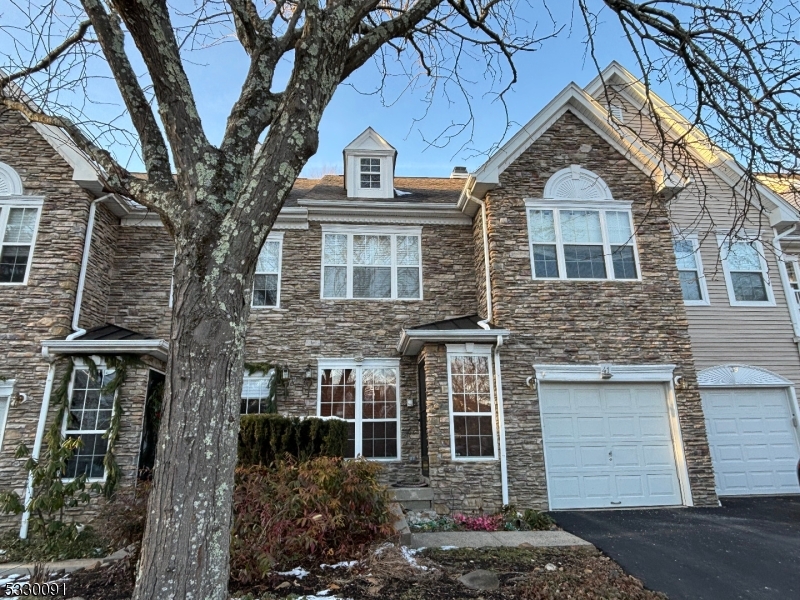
<point x="725" y="240"/>
<point x="577" y="173"/>
<point x="358" y="365"/>
<point x="701" y="278"/>
<point x="402" y="213"/>
<point x="681" y="465"/>
<point x="6" y="391"/>
<point x="156" y="348"/>
<point x="386" y="231"/>
<point x="469" y="349"/>
<point x="412" y="340"/>
<point x="593" y="373"/>
<point x="275" y="237"/>
<point x="34" y="203"/>
<point x="12" y="181"/>
<point x="733" y="375"/>
<point x="556" y="207"/>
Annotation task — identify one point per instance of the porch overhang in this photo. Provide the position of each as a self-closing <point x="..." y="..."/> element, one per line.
<point x="461" y="330"/>
<point x="108" y="339"/>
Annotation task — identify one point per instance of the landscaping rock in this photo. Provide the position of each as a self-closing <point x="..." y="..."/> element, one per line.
<point x="480" y="580"/>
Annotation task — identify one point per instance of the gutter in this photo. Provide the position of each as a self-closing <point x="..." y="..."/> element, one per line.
<point x="794" y="310"/>
<point x="501" y="422"/>
<point x="156" y="348"/>
<point x="411" y="341"/>
<point x="485" y="235"/>
<point x="37" y="444"/>
<point x="87" y="245"/>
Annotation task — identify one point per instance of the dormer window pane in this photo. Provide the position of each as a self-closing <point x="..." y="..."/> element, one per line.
<point x="370" y="173"/>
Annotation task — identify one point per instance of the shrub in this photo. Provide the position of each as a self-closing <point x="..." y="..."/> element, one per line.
<point x="298" y="513"/>
<point x="479" y="522"/>
<point x="265" y="438"/>
<point x="124" y="517"/>
<point x="537" y="520"/>
<point x="67" y="544"/>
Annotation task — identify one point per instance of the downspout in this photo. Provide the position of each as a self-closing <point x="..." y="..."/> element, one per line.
<point x="787" y="288"/>
<point x="501" y="421"/>
<point x="37" y="444"/>
<point x="87" y="245"/>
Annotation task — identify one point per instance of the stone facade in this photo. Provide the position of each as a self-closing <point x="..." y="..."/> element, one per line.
<point x="578" y="322"/>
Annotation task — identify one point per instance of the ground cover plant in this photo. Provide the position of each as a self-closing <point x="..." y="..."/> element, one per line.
<point x="509" y="519"/>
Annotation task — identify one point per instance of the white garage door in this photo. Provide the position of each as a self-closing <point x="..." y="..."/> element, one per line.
<point x="608" y="445"/>
<point x="753" y="441"/>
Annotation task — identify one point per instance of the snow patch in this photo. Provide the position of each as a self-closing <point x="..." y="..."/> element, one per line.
<point x="346" y="564"/>
<point x="298" y="572"/>
<point x="401" y="192"/>
<point x="408" y="554"/>
<point x="449" y="548"/>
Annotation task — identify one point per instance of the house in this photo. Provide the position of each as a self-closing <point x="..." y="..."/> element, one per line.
<point x="562" y="328"/>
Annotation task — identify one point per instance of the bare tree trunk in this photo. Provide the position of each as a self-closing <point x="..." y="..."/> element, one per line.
<point x="190" y="505"/>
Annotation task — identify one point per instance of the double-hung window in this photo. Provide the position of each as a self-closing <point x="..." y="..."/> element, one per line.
<point x="366" y="395"/>
<point x="581" y="242"/>
<point x="89" y="417"/>
<point x="472" y="423"/>
<point x="372" y="263"/>
<point x="267" y="281"/>
<point x="256" y="391"/>
<point x="690" y="271"/>
<point x="745" y="271"/>
<point x="370" y="173"/>
<point x="17" y="235"/>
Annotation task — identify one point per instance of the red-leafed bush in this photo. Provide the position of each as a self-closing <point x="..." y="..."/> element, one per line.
<point x="479" y="522"/>
<point x="325" y="509"/>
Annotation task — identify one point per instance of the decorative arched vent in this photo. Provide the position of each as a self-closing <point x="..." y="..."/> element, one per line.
<point x="739" y="375"/>
<point x="576" y="183"/>
<point x="10" y="183"/>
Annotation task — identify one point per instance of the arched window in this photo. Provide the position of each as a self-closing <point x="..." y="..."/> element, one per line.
<point x="578" y="231"/>
<point x="19" y="218"/>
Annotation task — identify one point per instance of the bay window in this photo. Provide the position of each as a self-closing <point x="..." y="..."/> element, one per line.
<point x="581" y="242"/>
<point x="365" y="395"/>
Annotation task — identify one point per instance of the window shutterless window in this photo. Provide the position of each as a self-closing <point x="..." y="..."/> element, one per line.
<point x="89" y="417"/>
<point x="384" y="264"/>
<point x="690" y="271"/>
<point x="472" y="422"/>
<point x="367" y="397"/>
<point x="6" y="389"/>
<point x="581" y="243"/>
<point x="17" y="235"/>
<point x="267" y="281"/>
<point x="745" y="271"/>
<point x="255" y="393"/>
<point x="370" y="173"/>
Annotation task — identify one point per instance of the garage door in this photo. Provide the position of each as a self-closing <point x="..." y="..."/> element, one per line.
<point x="753" y="441"/>
<point x="608" y="445"/>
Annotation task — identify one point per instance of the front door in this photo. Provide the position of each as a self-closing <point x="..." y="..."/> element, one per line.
<point x="423" y="418"/>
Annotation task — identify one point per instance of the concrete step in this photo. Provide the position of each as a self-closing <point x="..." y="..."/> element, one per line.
<point x="417" y="504"/>
<point x="403" y="495"/>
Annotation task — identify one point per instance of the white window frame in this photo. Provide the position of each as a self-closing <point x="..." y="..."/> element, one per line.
<point x="6" y="204"/>
<point x="6" y="391"/>
<point x="371" y="173"/>
<point x="350" y="231"/>
<point x="701" y="278"/>
<point x="724" y="240"/>
<point x="471" y="350"/>
<point x="602" y="208"/>
<point x="257" y="379"/>
<point x="274" y="236"/>
<point x="359" y="365"/>
<point x="81" y="365"/>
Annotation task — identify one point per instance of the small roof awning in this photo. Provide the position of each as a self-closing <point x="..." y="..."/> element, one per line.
<point x="453" y="331"/>
<point x="109" y="339"/>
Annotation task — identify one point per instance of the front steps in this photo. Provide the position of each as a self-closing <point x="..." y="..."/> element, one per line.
<point x="413" y="498"/>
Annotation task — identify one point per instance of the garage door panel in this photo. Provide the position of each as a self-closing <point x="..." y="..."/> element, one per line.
<point x="753" y="443"/>
<point x="622" y="441"/>
<point x="558" y="427"/>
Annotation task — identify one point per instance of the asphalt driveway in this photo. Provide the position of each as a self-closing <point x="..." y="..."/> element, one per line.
<point x="748" y="548"/>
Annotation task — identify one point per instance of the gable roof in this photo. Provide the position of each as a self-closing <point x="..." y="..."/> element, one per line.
<point x="371" y="140"/>
<point x="575" y="100"/>
<point x="722" y="164"/>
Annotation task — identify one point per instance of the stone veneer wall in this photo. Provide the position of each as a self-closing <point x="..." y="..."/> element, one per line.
<point x="42" y="309"/>
<point x="98" y="272"/>
<point x="574" y="322"/>
<point x="457" y="485"/>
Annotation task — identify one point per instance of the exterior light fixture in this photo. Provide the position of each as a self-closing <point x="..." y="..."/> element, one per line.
<point x="285" y="373"/>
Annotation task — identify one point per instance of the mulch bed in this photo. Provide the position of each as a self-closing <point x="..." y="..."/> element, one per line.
<point x="582" y="573"/>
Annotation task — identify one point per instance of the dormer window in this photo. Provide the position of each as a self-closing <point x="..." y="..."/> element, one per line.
<point x="369" y="166"/>
<point x="371" y="173"/>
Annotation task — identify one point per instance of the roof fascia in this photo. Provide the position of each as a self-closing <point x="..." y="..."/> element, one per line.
<point x="412" y="341"/>
<point x="725" y="166"/>
<point x="417" y="213"/>
<point x="156" y="348"/>
<point x="575" y="100"/>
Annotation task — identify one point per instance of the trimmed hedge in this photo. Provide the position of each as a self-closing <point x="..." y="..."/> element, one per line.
<point x="265" y="438"/>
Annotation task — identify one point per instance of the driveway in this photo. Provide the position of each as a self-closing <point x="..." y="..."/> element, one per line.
<point x="749" y="548"/>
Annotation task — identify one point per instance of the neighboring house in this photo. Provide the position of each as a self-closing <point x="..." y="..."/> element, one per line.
<point x="523" y="334"/>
